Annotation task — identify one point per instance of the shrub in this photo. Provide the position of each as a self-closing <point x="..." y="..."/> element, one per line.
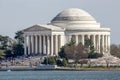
<point x="49" y="60"/>
<point x="94" y="55"/>
<point x="64" y="62"/>
<point x="59" y="63"/>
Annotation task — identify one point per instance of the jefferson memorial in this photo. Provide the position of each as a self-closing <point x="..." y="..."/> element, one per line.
<point x="73" y="23"/>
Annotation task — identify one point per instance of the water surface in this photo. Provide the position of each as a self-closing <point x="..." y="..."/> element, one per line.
<point x="60" y="75"/>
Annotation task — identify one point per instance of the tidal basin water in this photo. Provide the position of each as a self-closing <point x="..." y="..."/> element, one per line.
<point x="60" y="75"/>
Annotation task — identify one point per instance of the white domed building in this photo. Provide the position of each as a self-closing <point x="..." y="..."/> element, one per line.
<point x="69" y="24"/>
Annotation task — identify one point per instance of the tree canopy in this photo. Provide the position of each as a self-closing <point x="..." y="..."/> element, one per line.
<point x="115" y="50"/>
<point x="76" y="52"/>
<point x="18" y="50"/>
<point x="1" y="54"/>
<point x="50" y="60"/>
<point x="4" y="42"/>
<point x="19" y="37"/>
<point x="80" y="51"/>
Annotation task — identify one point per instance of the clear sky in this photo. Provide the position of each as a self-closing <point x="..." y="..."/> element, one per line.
<point x="19" y="14"/>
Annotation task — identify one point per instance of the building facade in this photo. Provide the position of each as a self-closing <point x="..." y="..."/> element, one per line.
<point x="73" y="23"/>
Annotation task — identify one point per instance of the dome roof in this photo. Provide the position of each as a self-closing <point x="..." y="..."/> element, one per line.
<point x="73" y="14"/>
<point x="73" y="19"/>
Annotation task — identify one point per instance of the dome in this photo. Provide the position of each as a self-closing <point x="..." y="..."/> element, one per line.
<point x="74" y="18"/>
<point x="73" y="14"/>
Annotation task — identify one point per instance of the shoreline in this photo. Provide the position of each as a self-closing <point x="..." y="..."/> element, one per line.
<point x="63" y="69"/>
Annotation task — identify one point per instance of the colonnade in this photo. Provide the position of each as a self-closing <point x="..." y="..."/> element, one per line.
<point x="101" y="42"/>
<point x="51" y="44"/>
<point x="42" y="44"/>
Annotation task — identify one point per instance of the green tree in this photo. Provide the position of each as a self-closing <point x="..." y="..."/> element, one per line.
<point x="95" y="55"/>
<point x="50" y="60"/>
<point x="91" y="53"/>
<point x="4" y="41"/>
<point x="18" y="50"/>
<point x="61" y="53"/>
<point x="1" y="54"/>
<point x="64" y="62"/>
<point x="59" y="62"/>
<point x="19" y="37"/>
<point x="81" y="52"/>
<point x="91" y="50"/>
<point x="115" y="50"/>
<point x="70" y="51"/>
<point x="72" y="42"/>
<point x="76" y="52"/>
<point x="88" y="42"/>
<point x="8" y="53"/>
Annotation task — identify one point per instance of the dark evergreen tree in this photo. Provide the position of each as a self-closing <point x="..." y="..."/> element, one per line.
<point x="4" y="41"/>
<point x="8" y="53"/>
<point x="64" y="62"/>
<point x="50" y="60"/>
<point x="18" y="50"/>
<point x="19" y="37"/>
<point x="61" y="53"/>
<point x="59" y="62"/>
<point x="92" y="54"/>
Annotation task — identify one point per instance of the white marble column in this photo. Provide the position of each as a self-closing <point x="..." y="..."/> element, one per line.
<point x="48" y="45"/>
<point x="40" y="44"/>
<point x="76" y="39"/>
<point x="29" y="45"/>
<point x="106" y="42"/>
<point x="98" y="43"/>
<point x="44" y="45"/>
<point x="62" y="40"/>
<point x="56" y="45"/>
<point x="32" y="44"/>
<point x="36" y="44"/>
<point x="103" y="44"/>
<point x="59" y="43"/>
<point x="52" y="45"/>
<point x="107" y="47"/>
<point x="83" y="40"/>
<point x="109" y="43"/>
<point x="94" y="41"/>
<point x="25" y="45"/>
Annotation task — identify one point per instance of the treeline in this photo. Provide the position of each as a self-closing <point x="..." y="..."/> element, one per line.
<point x="72" y="53"/>
<point x="115" y="50"/>
<point x="10" y="48"/>
<point x="78" y="54"/>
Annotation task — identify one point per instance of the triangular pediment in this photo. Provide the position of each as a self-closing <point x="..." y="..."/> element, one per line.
<point x="37" y="28"/>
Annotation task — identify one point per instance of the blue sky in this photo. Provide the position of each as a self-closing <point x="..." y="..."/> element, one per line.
<point x="19" y="14"/>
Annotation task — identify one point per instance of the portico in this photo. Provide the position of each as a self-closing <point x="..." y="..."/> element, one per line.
<point x="43" y="42"/>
